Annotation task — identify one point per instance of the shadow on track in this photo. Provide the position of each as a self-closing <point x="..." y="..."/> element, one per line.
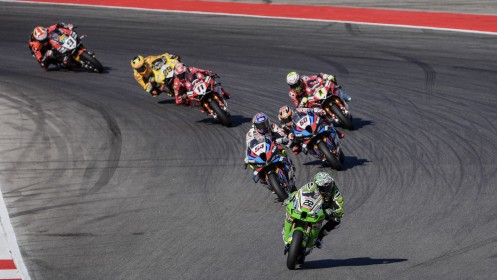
<point x="329" y="263"/>
<point x="76" y="69"/>
<point x="360" y="123"/>
<point x="350" y="162"/>
<point x="236" y="120"/>
<point x="167" y="101"/>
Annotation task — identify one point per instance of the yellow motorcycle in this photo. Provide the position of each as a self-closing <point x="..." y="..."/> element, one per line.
<point x="163" y="70"/>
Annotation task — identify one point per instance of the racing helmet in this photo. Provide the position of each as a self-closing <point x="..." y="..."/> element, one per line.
<point x="180" y="71"/>
<point x="285" y="116"/>
<point x="261" y="123"/>
<point x="324" y="182"/>
<point x="295" y="82"/>
<point x="40" y="33"/>
<point x="138" y="63"/>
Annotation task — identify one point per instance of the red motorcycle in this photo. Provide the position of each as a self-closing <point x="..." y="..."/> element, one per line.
<point x="69" y="51"/>
<point x="207" y="93"/>
<point x="329" y="97"/>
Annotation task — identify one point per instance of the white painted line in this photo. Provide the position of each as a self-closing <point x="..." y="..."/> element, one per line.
<point x="10" y="274"/>
<point x="8" y="238"/>
<point x="257" y="16"/>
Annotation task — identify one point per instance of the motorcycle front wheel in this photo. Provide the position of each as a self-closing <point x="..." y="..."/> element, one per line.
<point x="274" y="182"/>
<point x="94" y="64"/>
<point x="221" y="115"/>
<point x="332" y="160"/>
<point x="295" y="250"/>
<point x="345" y="121"/>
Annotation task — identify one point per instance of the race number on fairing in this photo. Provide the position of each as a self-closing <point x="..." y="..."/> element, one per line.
<point x="304" y="122"/>
<point x="260" y="148"/>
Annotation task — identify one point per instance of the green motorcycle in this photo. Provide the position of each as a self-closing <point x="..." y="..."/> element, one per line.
<point x="304" y="219"/>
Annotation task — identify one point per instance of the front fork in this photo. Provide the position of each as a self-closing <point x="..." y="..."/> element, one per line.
<point x="334" y="150"/>
<point x="341" y="104"/>
<point x="76" y="57"/>
<point x="310" y="233"/>
<point x="221" y="101"/>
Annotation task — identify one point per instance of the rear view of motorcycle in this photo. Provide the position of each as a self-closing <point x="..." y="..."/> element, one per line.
<point x="69" y="51"/>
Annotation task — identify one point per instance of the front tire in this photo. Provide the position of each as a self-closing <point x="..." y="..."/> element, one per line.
<point x="295" y="250"/>
<point x="332" y="160"/>
<point x="221" y="115"/>
<point x="95" y="65"/>
<point x="345" y="121"/>
<point x="275" y="184"/>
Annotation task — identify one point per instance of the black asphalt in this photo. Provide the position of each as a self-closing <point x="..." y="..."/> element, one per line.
<point x="103" y="181"/>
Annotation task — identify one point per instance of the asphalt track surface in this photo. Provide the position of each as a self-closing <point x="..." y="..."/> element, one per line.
<point x="105" y="182"/>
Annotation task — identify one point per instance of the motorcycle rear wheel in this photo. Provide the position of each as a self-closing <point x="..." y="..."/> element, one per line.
<point x="295" y="250"/>
<point x="332" y="160"/>
<point x="273" y="181"/>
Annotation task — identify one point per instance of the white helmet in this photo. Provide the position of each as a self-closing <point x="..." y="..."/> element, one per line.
<point x="40" y="33"/>
<point x="293" y="79"/>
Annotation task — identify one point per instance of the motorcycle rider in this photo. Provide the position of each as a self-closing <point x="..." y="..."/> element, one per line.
<point x="184" y="78"/>
<point x="261" y="128"/>
<point x="303" y="86"/>
<point x="39" y="43"/>
<point x="142" y="71"/>
<point x="285" y="115"/>
<point x="332" y="202"/>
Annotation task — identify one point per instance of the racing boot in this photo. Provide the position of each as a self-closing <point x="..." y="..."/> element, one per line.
<point x="318" y="243"/>
<point x="186" y="100"/>
<point x="287" y="248"/>
<point x="340" y="134"/>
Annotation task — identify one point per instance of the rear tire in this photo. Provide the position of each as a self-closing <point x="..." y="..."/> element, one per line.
<point x="332" y="160"/>
<point x="273" y="181"/>
<point x="295" y="250"/>
<point x="344" y="120"/>
<point x="222" y="116"/>
<point x="94" y="63"/>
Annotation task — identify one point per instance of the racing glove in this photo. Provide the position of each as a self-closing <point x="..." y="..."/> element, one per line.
<point x="329" y="78"/>
<point x="64" y="25"/>
<point x="214" y="75"/>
